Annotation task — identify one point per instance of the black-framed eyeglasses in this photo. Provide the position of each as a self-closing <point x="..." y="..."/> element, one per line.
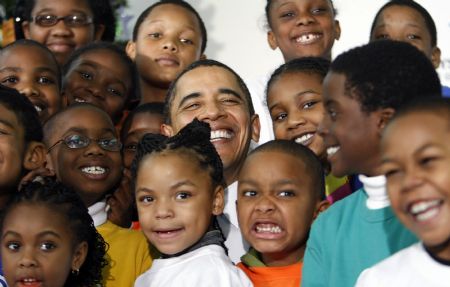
<point x="80" y="141"/>
<point x="76" y="20"/>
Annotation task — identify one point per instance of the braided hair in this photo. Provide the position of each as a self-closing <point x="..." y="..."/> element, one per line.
<point x="193" y="139"/>
<point x="67" y="203"/>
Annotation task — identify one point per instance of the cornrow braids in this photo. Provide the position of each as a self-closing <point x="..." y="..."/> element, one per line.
<point x="67" y="203"/>
<point x="194" y="139"/>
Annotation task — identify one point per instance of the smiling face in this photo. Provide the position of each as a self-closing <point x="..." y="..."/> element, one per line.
<point x="213" y="95"/>
<point x="12" y="149"/>
<point x="31" y="71"/>
<point x="37" y="247"/>
<point x="402" y="23"/>
<point x="175" y="200"/>
<point x="276" y="206"/>
<point x="61" y="39"/>
<point x="350" y="134"/>
<point x="296" y="108"/>
<point x="303" y="28"/>
<point x="91" y="171"/>
<point x="143" y="123"/>
<point x="168" y="40"/>
<point x="99" y="77"/>
<point x="416" y="161"/>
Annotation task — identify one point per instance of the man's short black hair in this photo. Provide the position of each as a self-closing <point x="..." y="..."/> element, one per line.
<point x="180" y="3"/>
<point x="387" y="74"/>
<point x="429" y="22"/>
<point x="313" y="166"/>
<point x="26" y="114"/>
<point x="204" y="63"/>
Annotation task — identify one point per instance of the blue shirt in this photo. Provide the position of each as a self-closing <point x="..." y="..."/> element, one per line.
<point x="446" y="92"/>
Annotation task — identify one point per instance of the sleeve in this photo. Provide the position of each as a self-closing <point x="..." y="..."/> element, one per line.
<point x="314" y="273"/>
<point x="366" y="279"/>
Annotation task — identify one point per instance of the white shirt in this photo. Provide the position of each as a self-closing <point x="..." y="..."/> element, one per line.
<point x="228" y="222"/>
<point x="206" y="266"/>
<point x="98" y="213"/>
<point x="410" y="267"/>
<point x="375" y="188"/>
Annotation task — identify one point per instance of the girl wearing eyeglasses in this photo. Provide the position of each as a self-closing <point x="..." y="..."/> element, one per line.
<point x="64" y="26"/>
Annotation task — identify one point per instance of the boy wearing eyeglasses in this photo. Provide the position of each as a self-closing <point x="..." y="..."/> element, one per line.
<point x="84" y="153"/>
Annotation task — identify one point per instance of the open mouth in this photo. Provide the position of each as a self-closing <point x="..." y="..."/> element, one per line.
<point x="267" y="231"/>
<point x="220" y="135"/>
<point x="30" y="282"/>
<point x="332" y="150"/>
<point x="79" y="100"/>
<point x="95" y="170"/>
<point x="167" y="233"/>
<point x="425" y="210"/>
<point x="308" y="38"/>
<point x="305" y="139"/>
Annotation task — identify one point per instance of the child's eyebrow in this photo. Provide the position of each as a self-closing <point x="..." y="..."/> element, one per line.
<point x="182" y="183"/>
<point x="96" y="65"/>
<point x="10" y="69"/>
<point x="46" y="69"/>
<point x="83" y="130"/>
<point x="6" y="123"/>
<point x="48" y="232"/>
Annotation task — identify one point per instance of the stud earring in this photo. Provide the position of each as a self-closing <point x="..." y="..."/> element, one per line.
<point x="75" y="272"/>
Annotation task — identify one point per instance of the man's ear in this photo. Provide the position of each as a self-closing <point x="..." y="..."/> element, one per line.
<point x="436" y="57"/>
<point x="384" y="117"/>
<point x="130" y="49"/>
<point x="26" y="29"/>
<point x="272" y="40"/>
<point x="34" y="155"/>
<point x="167" y="130"/>
<point x="99" y="30"/>
<point x="218" y="200"/>
<point x="337" y="30"/>
<point x="320" y="207"/>
<point x="256" y="127"/>
<point x="79" y="256"/>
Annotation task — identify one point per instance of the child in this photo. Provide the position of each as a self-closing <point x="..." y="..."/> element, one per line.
<point x="408" y="21"/>
<point x="101" y="74"/>
<point x="31" y="68"/>
<point x="49" y="239"/>
<point x="146" y="118"/>
<point x="416" y="161"/>
<point x="21" y="149"/>
<point x="294" y="99"/>
<point x="212" y="92"/>
<point x="85" y="155"/>
<point x="360" y="97"/>
<point x="275" y="212"/>
<point x="299" y="28"/>
<point x="64" y="26"/>
<point x="179" y="188"/>
<point x="167" y="37"/>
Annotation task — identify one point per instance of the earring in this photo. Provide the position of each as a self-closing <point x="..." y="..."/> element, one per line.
<point x="75" y="272"/>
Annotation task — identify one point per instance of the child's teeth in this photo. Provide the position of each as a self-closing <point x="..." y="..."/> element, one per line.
<point x="425" y="210"/>
<point x="332" y="150"/>
<point x="79" y="100"/>
<point x="304" y="138"/>
<point x="219" y="134"/>
<point x="38" y="109"/>
<point x="307" y="38"/>
<point x="268" y="228"/>
<point x="94" y="170"/>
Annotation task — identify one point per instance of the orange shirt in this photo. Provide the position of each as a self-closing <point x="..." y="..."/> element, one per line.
<point x="284" y="276"/>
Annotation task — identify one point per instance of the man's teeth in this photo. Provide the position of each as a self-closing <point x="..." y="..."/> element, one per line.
<point x="332" y="150"/>
<point x="268" y="228"/>
<point x="307" y="38"/>
<point x="94" y="170"/>
<point x="425" y="210"/>
<point x="220" y="134"/>
<point x="304" y="138"/>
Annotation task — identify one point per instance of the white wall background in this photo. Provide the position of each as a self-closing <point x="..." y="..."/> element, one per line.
<point x="237" y="34"/>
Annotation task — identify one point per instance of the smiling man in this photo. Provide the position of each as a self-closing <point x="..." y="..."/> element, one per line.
<point x="212" y="92"/>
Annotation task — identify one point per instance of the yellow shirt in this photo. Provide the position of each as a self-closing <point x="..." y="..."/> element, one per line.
<point x="128" y="255"/>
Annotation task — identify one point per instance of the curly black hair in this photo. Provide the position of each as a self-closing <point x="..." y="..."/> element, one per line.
<point x="153" y="108"/>
<point x="314" y="168"/>
<point x="198" y="64"/>
<point x="308" y="65"/>
<point x="101" y="10"/>
<point x="193" y="139"/>
<point x="438" y="106"/>
<point x="269" y="6"/>
<point x="429" y="22"/>
<point x="65" y="202"/>
<point x="180" y="3"/>
<point x="387" y="74"/>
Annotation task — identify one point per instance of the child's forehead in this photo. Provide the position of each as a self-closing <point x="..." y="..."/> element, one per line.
<point x="87" y="118"/>
<point x="164" y="12"/>
<point x="31" y="55"/>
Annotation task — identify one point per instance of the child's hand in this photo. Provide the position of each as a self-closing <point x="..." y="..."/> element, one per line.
<point x="121" y="202"/>
<point x="36" y="175"/>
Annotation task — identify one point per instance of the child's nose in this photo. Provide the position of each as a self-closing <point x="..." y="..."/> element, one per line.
<point x="295" y="120"/>
<point x="27" y="259"/>
<point x="170" y="45"/>
<point x="411" y="180"/>
<point x="163" y="210"/>
<point x="60" y="29"/>
<point x="304" y="18"/>
<point x="265" y="205"/>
